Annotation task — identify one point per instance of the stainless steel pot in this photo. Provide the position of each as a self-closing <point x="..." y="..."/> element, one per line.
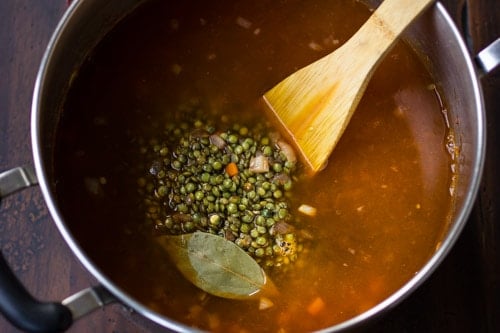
<point x="434" y="36"/>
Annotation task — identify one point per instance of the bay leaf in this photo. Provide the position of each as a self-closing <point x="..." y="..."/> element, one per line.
<point x="217" y="266"/>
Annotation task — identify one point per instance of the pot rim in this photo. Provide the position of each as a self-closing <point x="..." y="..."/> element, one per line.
<point x="387" y="304"/>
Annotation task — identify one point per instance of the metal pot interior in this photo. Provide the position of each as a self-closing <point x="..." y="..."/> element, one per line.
<point x="434" y="37"/>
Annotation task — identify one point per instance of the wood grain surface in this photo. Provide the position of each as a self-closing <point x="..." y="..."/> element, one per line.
<point x="463" y="295"/>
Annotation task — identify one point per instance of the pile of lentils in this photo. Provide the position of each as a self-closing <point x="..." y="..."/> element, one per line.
<point x="234" y="181"/>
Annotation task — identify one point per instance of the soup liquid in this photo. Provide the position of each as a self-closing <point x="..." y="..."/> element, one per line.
<point x="382" y="201"/>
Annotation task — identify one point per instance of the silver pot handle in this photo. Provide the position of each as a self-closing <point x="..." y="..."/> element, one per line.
<point x="489" y="58"/>
<point x="16" y="179"/>
<point x="16" y="303"/>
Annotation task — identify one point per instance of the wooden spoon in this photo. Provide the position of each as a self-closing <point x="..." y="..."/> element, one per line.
<point x="314" y="104"/>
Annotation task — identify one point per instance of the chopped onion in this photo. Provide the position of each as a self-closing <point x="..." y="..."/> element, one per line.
<point x="275" y="137"/>
<point x="259" y="164"/>
<point x="307" y="210"/>
<point x="315" y="46"/>
<point x="281" y="178"/>
<point x="243" y="22"/>
<point x="217" y="141"/>
<point x="287" y="150"/>
<point x="281" y="228"/>
<point x="265" y="303"/>
<point x="198" y="133"/>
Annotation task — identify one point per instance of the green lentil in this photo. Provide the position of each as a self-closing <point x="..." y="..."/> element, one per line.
<point x="259" y="252"/>
<point x="205" y="177"/>
<point x="261" y="229"/>
<point x="243" y="131"/>
<point x="162" y="191"/>
<point x="254" y="233"/>
<point x="227" y="183"/>
<point x="176" y="164"/>
<point x="247" y="218"/>
<point x="261" y="241"/>
<point x="182" y="208"/>
<point x="232" y="208"/>
<point x="282" y="213"/>
<point x="232" y="138"/>
<point x="261" y="191"/>
<point x="217" y="165"/>
<point x="189" y="226"/>
<point x="215" y="191"/>
<point x="245" y="228"/>
<point x="214" y="220"/>
<point x="190" y="187"/>
<point x="260" y="220"/>
<point x="238" y="150"/>
<point x="199" y="195"/>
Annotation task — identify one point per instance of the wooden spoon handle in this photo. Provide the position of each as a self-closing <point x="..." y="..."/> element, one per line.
<point x="382" y="29"/>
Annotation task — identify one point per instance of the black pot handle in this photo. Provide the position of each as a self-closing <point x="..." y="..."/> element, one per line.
<point x="16" y="303"/>
<point x="25" y="312"/>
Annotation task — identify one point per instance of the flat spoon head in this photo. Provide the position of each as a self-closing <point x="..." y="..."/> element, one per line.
<point x="314" y="105"/>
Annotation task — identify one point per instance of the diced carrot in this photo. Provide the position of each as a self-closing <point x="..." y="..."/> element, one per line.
<point x="316" y="306"/>
<point x="232" y="169"/>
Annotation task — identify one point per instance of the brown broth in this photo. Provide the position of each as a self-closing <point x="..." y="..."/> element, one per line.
<point x="382" y="201"/>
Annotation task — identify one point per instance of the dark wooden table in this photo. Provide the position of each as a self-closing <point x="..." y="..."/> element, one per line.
<point x="463" y="295"/>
